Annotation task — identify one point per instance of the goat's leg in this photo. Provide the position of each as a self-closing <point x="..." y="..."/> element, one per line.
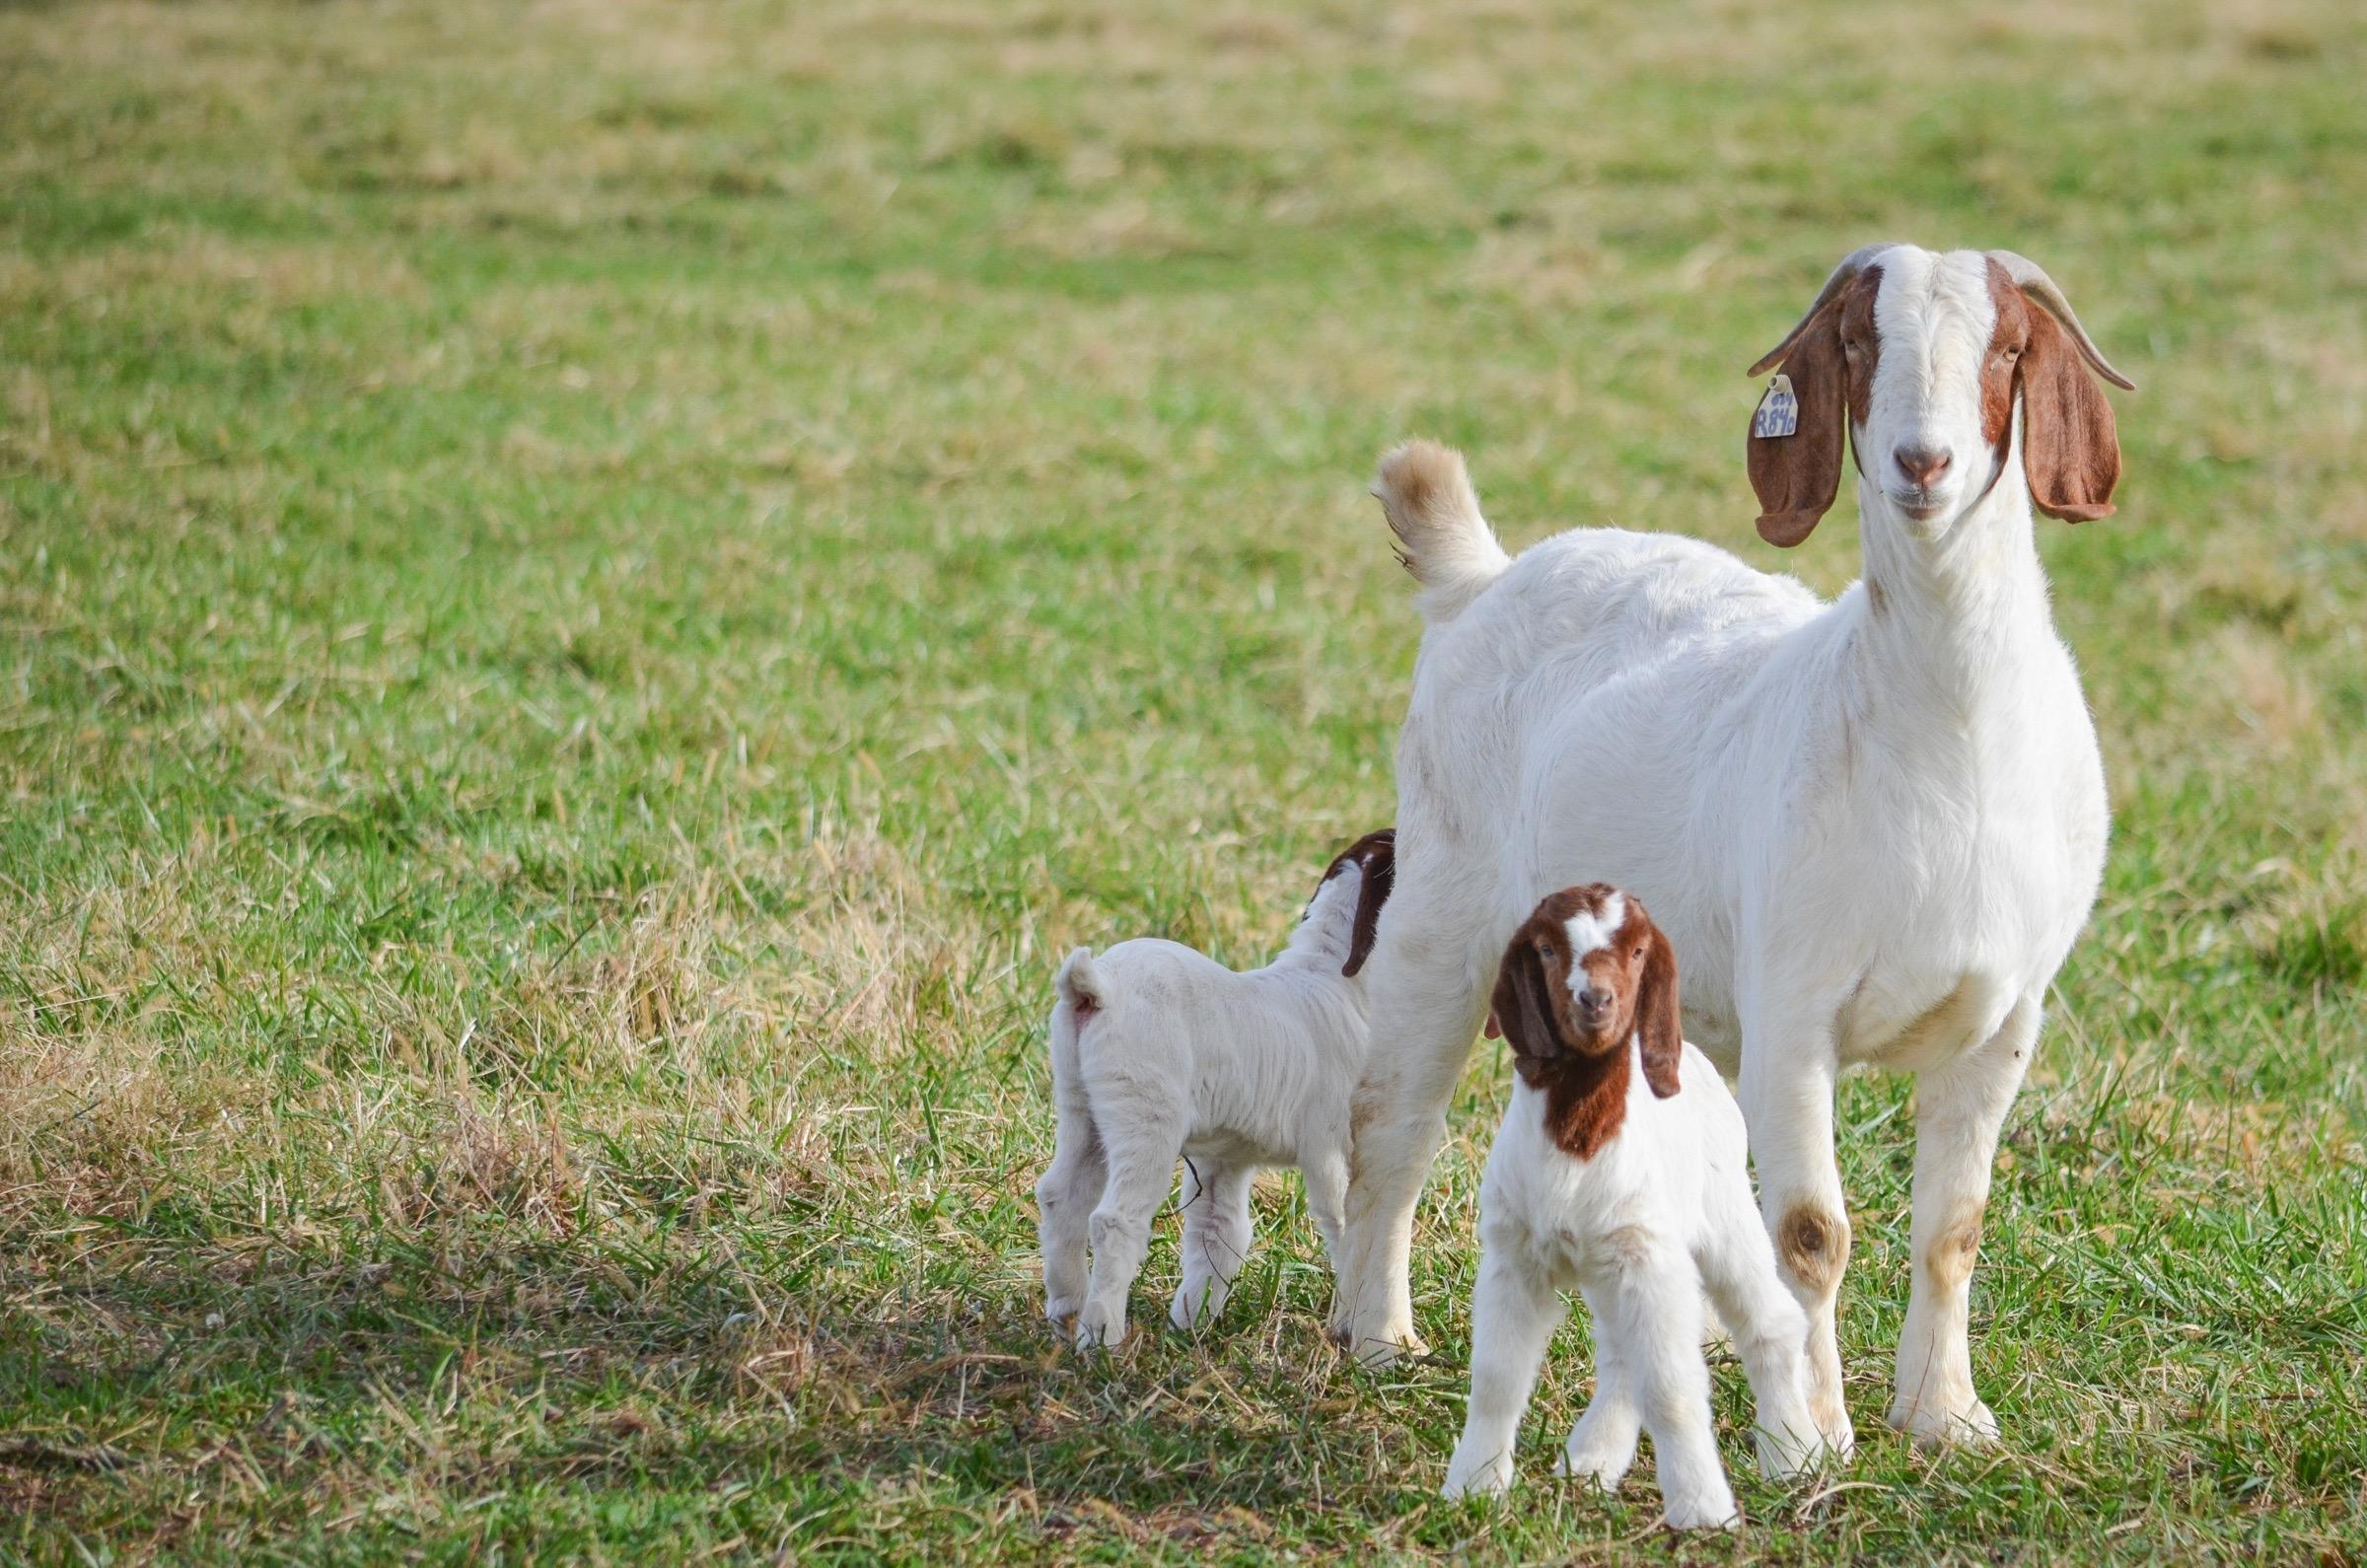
<point x="1327" y="1175"/>
<point x="1140" y="1170"/>
<point x="1513" y="1312"/>
<point x="1652" y="1309"/>
<point x="1217" y="1236"/>
<point x="1959" y="1109"/>
<point x="1769" y="1330"/>
<point x="1602" y="1445"/>
<point x="1425" y="1013"/>
<point x="1786" y="1094"/>
<point x="1064" y="1198"/>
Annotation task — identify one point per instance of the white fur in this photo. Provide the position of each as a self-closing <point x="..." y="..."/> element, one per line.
<point x="1592" y="932"/>
<point x="1182" y="1057"/>
<point x="1872" y="835"/>
<point x="1656" y="1216"/>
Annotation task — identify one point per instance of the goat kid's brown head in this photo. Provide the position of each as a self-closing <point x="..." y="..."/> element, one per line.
<point x="1374" y="860"/>
<point x="1585" y="973"/>
<point x="1922" y="357"/>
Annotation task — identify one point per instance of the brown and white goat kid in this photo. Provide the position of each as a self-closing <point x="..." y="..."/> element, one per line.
<point x="1621" y="1172"/>
<point x="1160" y="1053"/>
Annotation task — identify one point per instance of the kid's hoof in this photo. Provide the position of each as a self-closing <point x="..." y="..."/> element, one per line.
<point x="1099" y="1329"/>
<point x="1605" y="1469"/>
<point x="1709" y="1512"/>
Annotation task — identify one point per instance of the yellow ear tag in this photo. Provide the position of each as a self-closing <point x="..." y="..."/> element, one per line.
<point x="1778" y="411"/>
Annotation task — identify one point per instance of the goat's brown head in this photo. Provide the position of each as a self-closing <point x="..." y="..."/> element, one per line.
<point x="1586" y="972"/>
<point x="1374" y="858"/>
<point x="1922" y="358"/>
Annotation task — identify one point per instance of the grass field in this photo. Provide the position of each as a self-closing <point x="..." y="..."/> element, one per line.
<point x="591" y="594"/>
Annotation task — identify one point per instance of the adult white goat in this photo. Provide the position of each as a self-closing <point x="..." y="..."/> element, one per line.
<point x="1872" y="828"/>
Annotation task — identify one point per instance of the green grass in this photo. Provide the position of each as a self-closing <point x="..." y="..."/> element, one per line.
<point x="591" y="594"/>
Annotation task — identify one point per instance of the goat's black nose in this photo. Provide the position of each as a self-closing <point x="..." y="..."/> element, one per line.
<point x="1922" y="465"/>
<point x="1593" y="1000"/>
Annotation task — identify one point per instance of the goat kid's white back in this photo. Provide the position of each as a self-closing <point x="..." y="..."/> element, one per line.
<point x="1872" y="828"/>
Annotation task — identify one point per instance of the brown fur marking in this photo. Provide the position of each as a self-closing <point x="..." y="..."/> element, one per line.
<point x="2001" y="366"/>
<point x="1376" y="856"/>
<point x="1424" y="488"/>
<point x="1814" y="1246"/>
<point x="1950" y="1259"/>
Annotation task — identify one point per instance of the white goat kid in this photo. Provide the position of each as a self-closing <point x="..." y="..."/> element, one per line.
<point x="1160" y="1053"/>
<point x="1872" y="826"/>
<point x="1622" y="1172"/>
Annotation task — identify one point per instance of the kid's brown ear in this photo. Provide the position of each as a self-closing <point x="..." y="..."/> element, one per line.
<point x="1380" y="865"/>
<point x="1797" y="475"/>
<point x="2070" y="447"/>
<point x="1658" y="1024"/>
<point x="1524" y="1007"/>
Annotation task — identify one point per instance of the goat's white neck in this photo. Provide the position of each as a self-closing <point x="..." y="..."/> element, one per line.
<point x="1323" y="936"/>
<point x="1955" y="619"/>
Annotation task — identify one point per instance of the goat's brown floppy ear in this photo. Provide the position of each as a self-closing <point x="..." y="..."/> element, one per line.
<point x="1797" y="475"/>
<point x="1658" y="1024"/>
<point x="1524" y="1008"/>
<point x="1380" y="876"/>
<point x="2070" y="447"/>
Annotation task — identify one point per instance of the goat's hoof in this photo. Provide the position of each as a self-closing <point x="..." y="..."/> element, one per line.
<point x="1600" y="1468"/>
<point x="1340" y="1327"/>
<point x="1702" y="1517"/>
<point x="1933" y="1424"/>
<point x="1378" y="1352"/>
<point x="1491" y="1479"/>
<point x="1840" y="1438"/>
<point x="1791" y="1448"/>
<point x="1195" y="1310"/>
<point x="1708" y="1511"/>
<point x="1780" y="1460"/>
<point x="1100" y="1328"/>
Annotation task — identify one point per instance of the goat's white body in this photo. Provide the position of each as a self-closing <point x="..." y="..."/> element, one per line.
<point x="1872" y="828"/>
<point x="1231" y="1071"/>
<point x="1645" y="709"/>
<point x="1658" y="1215"/>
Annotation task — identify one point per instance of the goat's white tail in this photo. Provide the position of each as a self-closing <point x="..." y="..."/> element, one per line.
<point x="1080" y="986"/>
<point x="1442" y="539"/>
